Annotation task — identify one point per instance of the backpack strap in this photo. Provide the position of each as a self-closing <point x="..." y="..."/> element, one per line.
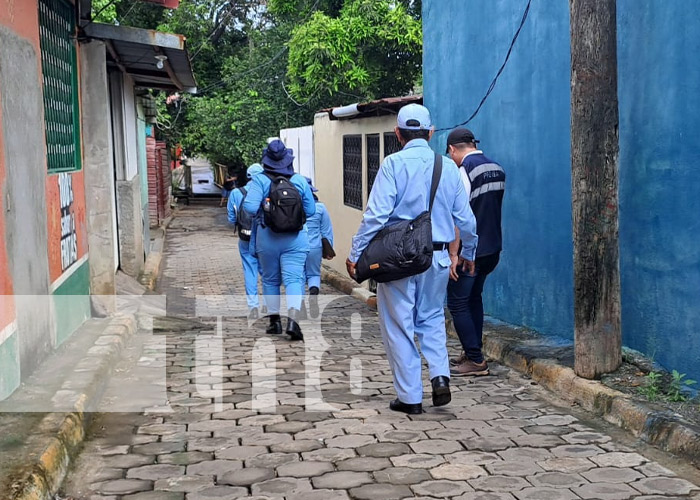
<point x="437" y="173"/>
<point x="243" y="191"/>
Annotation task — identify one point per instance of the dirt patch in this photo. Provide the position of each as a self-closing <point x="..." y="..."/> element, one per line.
<point x="657" y="391"/>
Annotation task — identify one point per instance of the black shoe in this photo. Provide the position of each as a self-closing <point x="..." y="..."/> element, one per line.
<point x="253" y="314"/>
<point x="302" y="312"/>
<point x="441" y="391"/>
<point x="293" y="328"/>
<point x="313" y="302"/>
<point x="275" y="327"/>
<point x="410" y="409"/>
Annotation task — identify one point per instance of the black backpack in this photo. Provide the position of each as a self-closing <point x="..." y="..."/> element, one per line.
<point x="244" y="222"/>
<point x="284" y="212"/>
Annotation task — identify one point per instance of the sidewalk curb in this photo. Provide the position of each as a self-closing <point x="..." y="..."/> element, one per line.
<point x="660" y="428"/>
<point x="151" y="268"/>
<point x="348" y="286"/>
<point x="62" y="434"/>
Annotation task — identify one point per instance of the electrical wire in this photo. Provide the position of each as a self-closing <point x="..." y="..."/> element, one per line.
<point x="500" y="71"/>
<point x="93" y="17"/>
<point x="216" y="28"/>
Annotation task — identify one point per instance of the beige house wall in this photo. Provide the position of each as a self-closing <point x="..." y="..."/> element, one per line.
<point x="328" y="162"/>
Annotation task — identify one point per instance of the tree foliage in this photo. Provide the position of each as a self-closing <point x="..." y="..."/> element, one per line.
<point x="264" y="65"/>
<point x="372" y="48"/>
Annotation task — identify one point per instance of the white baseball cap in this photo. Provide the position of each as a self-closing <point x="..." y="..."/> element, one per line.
<point x="414" y="117"/>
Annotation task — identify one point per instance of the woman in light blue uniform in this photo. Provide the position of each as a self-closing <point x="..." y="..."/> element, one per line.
<point x="251" y="266"/>
<point x="319" y="226"/>
<point x="281" y="255"/>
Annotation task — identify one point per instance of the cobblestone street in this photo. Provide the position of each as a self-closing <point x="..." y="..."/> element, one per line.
<point x="248" y="420"/>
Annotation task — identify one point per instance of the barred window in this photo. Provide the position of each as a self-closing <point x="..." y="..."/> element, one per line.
<point x="352" y="171"/>
<point x="60" y="75"/>
<point x="373" y="160"/>
<point x="391" y="144"/>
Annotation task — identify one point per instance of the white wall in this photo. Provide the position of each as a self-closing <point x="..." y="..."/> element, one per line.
<point x="328" y="157"/>
<point x="301" y="140"/>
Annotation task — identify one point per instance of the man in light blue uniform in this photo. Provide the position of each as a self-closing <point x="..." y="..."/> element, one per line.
<point x="413" y="306"/>
<point x="251" y="266"/>
<point x="281" y="255"/>
<point x="319" y="226"/>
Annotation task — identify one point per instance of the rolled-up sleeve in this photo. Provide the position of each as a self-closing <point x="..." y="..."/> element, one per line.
<point x="381" y="203"/>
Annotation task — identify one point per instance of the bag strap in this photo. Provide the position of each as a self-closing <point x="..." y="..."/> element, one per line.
<point x="437" y="173"/>
<point x="244" y="191"/>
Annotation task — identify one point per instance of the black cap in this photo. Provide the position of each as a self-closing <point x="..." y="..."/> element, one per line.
<point x="460" y="136"/>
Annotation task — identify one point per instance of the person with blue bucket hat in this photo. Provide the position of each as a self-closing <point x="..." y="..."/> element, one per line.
<point x="245" y="226"/>
<point x="283" y="201"/>
<point x="320" y="227"/>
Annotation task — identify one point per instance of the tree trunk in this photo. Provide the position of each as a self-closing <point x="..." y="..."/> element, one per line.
<point x="594" y="178"/>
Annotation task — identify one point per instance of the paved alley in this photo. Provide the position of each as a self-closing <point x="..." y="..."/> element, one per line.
<point x="254" y="416"/>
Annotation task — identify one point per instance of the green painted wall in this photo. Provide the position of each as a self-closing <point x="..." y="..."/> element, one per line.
<point x="9" y="366"/>
<point x="72" y="303"/>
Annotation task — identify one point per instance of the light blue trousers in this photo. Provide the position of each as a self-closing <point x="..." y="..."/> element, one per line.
<point x="313" y="267"/>
<point x="411" y="307"/>
<point x="282" y="257"/>
<point x="251" y="270"/>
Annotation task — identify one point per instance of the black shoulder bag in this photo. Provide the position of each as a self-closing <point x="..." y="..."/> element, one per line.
<point x="402" y="249"/>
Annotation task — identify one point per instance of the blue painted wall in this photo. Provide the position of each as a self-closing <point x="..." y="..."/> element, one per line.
<point x="525" y="126"/>
<point x="659" y="95"/>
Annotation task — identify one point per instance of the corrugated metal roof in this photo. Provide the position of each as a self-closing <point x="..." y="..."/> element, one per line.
<point x="378" y="107"/>
<point x="134" y="50"/>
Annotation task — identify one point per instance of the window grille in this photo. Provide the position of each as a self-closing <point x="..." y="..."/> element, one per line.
<point x="352" y="171"/>
<point x="373" y="160"/>
<point x="391" y="144"/>
<point x="60" y="78"/>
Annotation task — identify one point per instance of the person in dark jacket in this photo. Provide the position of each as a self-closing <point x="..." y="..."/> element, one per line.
<point x="484" y="181"/>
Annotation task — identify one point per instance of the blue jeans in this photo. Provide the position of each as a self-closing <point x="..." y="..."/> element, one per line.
<point x="467" y="308"/>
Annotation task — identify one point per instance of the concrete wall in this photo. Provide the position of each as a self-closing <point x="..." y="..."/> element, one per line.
<point x="525" y="126"/>
<point x="26" y="234"/>
<point x="328" y="161"/>
<point x="43" y="233"/>
<point x="126" y="165"/>
<point x="98" y="164"/>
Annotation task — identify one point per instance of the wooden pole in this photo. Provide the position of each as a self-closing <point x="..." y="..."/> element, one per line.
<point x="594" y="178"/>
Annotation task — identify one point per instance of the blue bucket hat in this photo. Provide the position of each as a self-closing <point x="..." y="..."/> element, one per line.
<point x="311" y="184"/>
<point x="254" y="170"/>
<point x="278" y="158"/>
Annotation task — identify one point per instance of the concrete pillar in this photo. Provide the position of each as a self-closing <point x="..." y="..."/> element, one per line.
<point x="131" y="254"/>
<point x="98" y="164"/>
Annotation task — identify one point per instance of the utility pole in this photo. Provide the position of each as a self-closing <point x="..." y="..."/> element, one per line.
<point x="594" y="186"/>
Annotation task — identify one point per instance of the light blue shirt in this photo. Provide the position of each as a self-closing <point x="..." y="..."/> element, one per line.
<point x="401" y="191"/>
<point x="259" y="189"/>
<point x="319" y="226"/>
<point x="234" y="204"/>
